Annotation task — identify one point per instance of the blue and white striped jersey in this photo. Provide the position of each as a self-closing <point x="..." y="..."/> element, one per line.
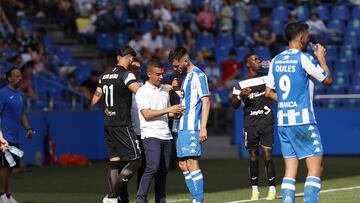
<point x="193" y="88"/>
<point x="292" y="74"/>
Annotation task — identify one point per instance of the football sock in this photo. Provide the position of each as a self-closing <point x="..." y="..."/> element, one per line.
<point x="126" y="173"/>
<point x="198" y="180"/>
<point x="189" y="182"/>
<point x="254" y="172"/>
<point x="270" y="172"/>
<point x="288" y="190"/>
<point x="311" y="189"/>
<point x="113" y="172"/>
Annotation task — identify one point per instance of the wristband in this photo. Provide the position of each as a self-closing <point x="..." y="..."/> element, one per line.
<point x="238" y="97"/>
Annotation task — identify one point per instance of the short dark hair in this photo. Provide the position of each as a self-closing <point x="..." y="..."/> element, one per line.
<point x="232" y="52"/>
<point x="292" y="30"/>
<point x="177" y="53"/>
<point x="126" y="50"/>
<point x="9" y="72"/>
<point x="248" y="55"/>
<point x="154" y="62"/>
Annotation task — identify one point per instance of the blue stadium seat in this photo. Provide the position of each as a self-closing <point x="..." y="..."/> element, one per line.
<point x="26" y="25"/>
<point x="332" y="103"/>
<point x="351" y="39"/>
<point x="146" y="25"/>
<point x="341" y="79"/>
<point x="64" y="56"/>
<point x="332" y="53"/>
<point x="336" y="89"/>
<point x="280" y="13"/>
<point x="263" y="52"/>
<point x="344" y="66"/>
<point x="254" y="13"/>
<point x="205" y="41"/>
<point x="61" y="105"/>
<point x="222" y="53"/>
<point x="319" y="89"/>
<point x="355" y="89"/>
<point x="302" y="13"/>
<point x="223" y="39"/>
<point x="48" y="45"/>
<point x="105" y="42"/>
<point x="354" y="103"/>
<point x="323" y="11"/>
<point x="349" y="53"/>
<point x="82" y="71"/>
<point x="357" y="66"/>
<point x="356" y="12"/>
<point x="340" y="12"/>
<point x="355" y="79"/>
<point x="354" y="26"/>
<point x="120" y="39"/>
<point x="39" y="105"/>
<point x="277" y="26"/>
<point x="241" y="52"/>
<point x="337" y="25"/>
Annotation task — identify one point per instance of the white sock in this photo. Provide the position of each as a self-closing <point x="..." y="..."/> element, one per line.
<point x="272" y="189"/>
<point x="255" y="188"/>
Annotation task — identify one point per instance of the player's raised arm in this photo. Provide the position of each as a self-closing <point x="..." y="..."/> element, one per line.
<point x="320" y="54"/>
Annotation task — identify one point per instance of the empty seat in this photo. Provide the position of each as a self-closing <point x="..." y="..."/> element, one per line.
<point x="280" y="13"/>
<point x="340" y="12"/>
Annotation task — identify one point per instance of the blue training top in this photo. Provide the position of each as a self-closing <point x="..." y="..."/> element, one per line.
<point x="11" y="108"/>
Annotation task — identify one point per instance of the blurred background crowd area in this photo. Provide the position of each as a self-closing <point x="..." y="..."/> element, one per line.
<point x="62" y="46"/>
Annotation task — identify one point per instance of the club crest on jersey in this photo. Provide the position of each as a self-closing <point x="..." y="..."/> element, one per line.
<point x="182" y="94"/>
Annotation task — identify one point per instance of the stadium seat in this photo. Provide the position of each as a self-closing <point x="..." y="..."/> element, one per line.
<point x="64" y="56"/>
<point x="105" y="42"/>
<point x="120" y="39"/>
<point x="61" y="105"/>
<point x="278" y="27"/>
<point x="332" y="103"/>
<point x="336" y="89"/>
<point x="47" y="44"/>
<point x="344" y="66"/>
<point x="340" y="12"/>
<point x="355" y="79"/>
<point x="349" y="53"/>
<point x="254" y="13"/>
<point x="351" y="39"/>
<point x="39" y="105"/>
<point x="323" y="11"/>
<point x="352" y="103"/>
<point x="222" y="53"/>
<point x="356" y="12"/>
<point x="319" y="89"/>
<point x="280" y="13"/>
<point x="337" y="25"/>
<point x="263" y="52"/>
<point x="224" y="39"/>
<point x="341" y="79"/>
<point x="205" y="41"/>
<point x="302" y="13"/>
<point x="332" y="53"/>
<point x="355" y="89"/>
<point x="82" y="71"/>
<point x="241" y="52"/>
<point x="146" y="25"/>
<point x="354" y="26"/>
<point x="26" y="25"/>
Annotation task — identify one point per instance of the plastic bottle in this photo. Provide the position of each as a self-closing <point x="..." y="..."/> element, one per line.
<point x="175" y="125"/>
<point x="9" y="158"/>
<point x="16" y="151"/>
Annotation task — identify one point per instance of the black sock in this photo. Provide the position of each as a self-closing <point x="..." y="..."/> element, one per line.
<point x="8" y="195"/>
<point x="254" y="172"/>
<point x="113" y="173"/>
<point x="270" y="172"/>
<point x="126" y="173"/>
<point x="124" y="195"/>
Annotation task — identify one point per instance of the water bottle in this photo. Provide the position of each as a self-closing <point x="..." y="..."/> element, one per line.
<point x="175" y="125"/>
<point x="265" y="64"/>
<point x="18" y="152"/>
<point x="312" y="46"/>
<point x="9" y="158"/>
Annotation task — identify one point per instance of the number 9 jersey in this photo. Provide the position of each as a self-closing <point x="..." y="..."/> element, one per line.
<point x="117" y="96"/>
<point x="291" y="75"/>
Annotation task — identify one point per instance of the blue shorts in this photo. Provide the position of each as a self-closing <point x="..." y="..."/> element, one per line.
<point x="300" y="141"/>
<point x="188" y="143"/>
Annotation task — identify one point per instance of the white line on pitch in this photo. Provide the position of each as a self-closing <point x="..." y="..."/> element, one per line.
<point x="178" y="200"/>
<point x="302" y="194"/>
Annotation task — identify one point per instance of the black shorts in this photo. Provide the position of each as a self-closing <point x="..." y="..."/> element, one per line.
<point x="4" y="163"/>
<point x="122" y="142"/>
<point x="255" y="136"/>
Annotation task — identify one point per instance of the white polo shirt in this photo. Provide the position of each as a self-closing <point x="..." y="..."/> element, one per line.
<point x="151" y="97"/>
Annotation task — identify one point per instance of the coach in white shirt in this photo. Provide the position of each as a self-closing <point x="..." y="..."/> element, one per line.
<point x="154" y="106"/>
